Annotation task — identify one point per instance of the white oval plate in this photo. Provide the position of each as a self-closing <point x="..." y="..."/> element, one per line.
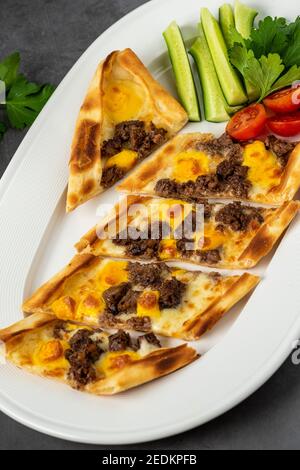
<point x="37" y="237"/>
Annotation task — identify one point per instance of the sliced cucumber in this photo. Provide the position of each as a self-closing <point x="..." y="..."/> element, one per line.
<point x="244" y="17"/>
<point x="182" y="71"/>
<point x="213" y="99"/>
<point x="228" y="77"/>
<point x="227" y="24"/>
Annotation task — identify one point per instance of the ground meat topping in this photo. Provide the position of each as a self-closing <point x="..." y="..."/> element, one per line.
<point x="281" y="148"/>
<point x="170" y="293"/>
<point x="223" y="146"/>
<point x="131" y="135"/>
<point x="146" y="274"/>
<point x="151" y="339"/>
<point x="238" y="217"/>
<point x="144" y="244"/>
<point x="82" y="355"/>
<point x="111" y="175"/>
<point x="209" y="256"/>
<point x="119" y="341"/>
<point x="139" y="323"/>
<point x="167" y="188"/>
<point x="114" y="295"/>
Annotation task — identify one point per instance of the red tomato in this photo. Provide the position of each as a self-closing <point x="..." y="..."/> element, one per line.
<point x="284" y="101"/>
<point x="247" y="123"/>
<point x="286" y="125"/>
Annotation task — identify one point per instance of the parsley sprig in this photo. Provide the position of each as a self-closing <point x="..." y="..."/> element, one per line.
<point x="24" y="99"/>
<point x="270" y="59"/>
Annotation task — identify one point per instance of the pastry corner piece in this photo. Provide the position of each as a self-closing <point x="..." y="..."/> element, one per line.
<point x="90" y="360"/>
<point x="195" y="166"/>
<point x="150" y="297"/>
<point x="125" y="116"/>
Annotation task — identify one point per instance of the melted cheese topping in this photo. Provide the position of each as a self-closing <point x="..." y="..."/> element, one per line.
<point x="123" y="100"/>
<point x="113" y="361"/>
<point x="168" y="249"/>
<point x="113" y="273"/>
<point x="147" y="304"/>
<point x="189" y="165"/>
<point x="125" y="159"/>
<point x="265" y="170"/>
<point x="212" y="239"/>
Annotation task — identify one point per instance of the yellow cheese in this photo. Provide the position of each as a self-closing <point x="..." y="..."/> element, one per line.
<point x="211" y="239"/>
<point x="265" y="170"/>
<point x="123" y="100"/>
<point x="110" y="362"/>
<point x="50" y="355"/>
<point x="90" y="305"/>
<point x="64" y="308"/>
<point x="189" y="165"/>
<point x="113" y="273"/>
<point x="125" y="159"/>
<point x="168" y="249"/>
<point x="147" y="304"/>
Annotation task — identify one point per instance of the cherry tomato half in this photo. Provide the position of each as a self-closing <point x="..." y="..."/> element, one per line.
<point x="284" y="101"/>
<point x="286" y="125"/>
<point x="247" y="123"/>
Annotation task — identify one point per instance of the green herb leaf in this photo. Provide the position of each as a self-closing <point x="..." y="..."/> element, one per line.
<point x="234" y="37"/>
<point x="292" y="53"/>
<point x="25" y="100"/>
<point x="9" y="69"/>
<point x="271" y="36"/>
<point x="291" y="76"/>
<point x="3" y="129"/>
<point x="260" y="73"/>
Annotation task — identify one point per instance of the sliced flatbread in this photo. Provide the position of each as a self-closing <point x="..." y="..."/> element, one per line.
<point x="125" y="115"/>
<point x="233" y="236"/>
<point x="197" y="166"/>
<point x="93" y="361"/>
<point x="143" y="297"/>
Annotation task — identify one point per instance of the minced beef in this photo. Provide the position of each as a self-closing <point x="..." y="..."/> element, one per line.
<point x="238" y="217"/>
<point x="170" y="293"/>
<point x="167" y="188"/>
<point x="223" y="146"/>
<point x="82" y="355"/>
<point x="209" y="256"/>
<point x="128" y="303"/>
<point x="281" y="148"/>
<point x="131" y="135"/>
<point x="144" y="244"/>
<point x="183" y="246"/>
<point x="151" y="339"/>
<point x="111" y="175"/>
<point x="139" y="323"/>
<point x="114" y="295"/>
<point x="146" y="274"/>
<point x="119" y="341"/>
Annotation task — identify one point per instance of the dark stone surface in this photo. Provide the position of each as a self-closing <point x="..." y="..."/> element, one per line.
<point x="51" y="35"/>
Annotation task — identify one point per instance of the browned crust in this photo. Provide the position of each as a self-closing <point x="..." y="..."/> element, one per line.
<point x="290" y="179"/>
<point x="25" y="325"/>
<point x="85" y="168"/>
<point x="268" y="234"/>
<point x="156" y="364"/>
<point x="38" y="301"/>
<point x="196" y="327"/>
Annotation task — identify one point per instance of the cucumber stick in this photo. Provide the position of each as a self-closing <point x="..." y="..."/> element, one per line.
<point x="213" y="99"/>
<point x="229" y="80"/>
<point x="182" y="70"/>
<point x="226" y="20"/>
<point x="244" y="17"/>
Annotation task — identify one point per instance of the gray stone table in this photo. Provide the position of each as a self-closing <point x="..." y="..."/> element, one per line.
<point x="51" y="35"/>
